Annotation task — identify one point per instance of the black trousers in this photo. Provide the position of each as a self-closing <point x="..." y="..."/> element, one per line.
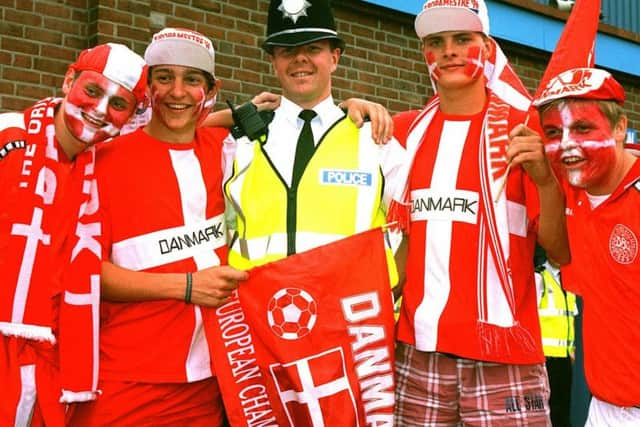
<point x="559" y="371"/>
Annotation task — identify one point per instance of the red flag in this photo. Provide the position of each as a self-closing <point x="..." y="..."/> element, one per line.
<point x="576" y="46"/>
<point x="308" y="340"/>
<point x="503" y="81"/>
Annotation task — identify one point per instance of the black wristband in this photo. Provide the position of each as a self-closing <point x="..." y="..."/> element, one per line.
<point x="187" y="291"/>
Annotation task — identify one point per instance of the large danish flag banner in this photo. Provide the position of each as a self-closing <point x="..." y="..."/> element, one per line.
<point x="308" y="340"/>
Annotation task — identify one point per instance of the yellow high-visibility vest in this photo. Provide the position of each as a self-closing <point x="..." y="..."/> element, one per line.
<point x="339" y="194"/>
<point x="557" y="310"/>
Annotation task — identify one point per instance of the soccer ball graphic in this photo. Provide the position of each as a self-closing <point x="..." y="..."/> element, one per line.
<point x="291" y="313"/>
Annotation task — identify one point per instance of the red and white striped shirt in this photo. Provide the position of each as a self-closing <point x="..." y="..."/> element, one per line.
<point x="451" y="282"/>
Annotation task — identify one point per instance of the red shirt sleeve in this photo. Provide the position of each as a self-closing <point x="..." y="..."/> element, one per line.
<point x="401" y="124"/>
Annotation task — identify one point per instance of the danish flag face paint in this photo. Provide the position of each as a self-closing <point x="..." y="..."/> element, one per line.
<point x="579" y="143"/>
<point x="204" y="106"/>
<point x="449" y="57"/>
<point x="474" y="67"/>
<point x="96" y="108"/>
<point x="434" y="71"/>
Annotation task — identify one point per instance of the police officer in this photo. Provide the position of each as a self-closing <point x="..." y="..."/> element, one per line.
<point x="557" y="310"/>
<point x="318" y="177"/>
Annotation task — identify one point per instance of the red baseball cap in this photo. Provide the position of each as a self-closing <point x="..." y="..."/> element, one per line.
<point x="582" y="83"/>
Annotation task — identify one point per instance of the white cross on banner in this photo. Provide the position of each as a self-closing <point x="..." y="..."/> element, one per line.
<point x="308" y="340"/>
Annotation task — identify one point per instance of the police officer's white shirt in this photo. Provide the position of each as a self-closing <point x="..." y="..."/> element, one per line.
<point x="539" y="287"/>
<point x="286" y="126"/>
<point x="555" y="272"/>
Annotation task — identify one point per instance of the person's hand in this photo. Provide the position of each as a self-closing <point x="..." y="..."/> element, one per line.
<point x="223" y="118"/>
<point x="212" y="286"/>
<point x="381" y="121"/>
<point x="526" y="149"/>
<point x="266" y="101"/>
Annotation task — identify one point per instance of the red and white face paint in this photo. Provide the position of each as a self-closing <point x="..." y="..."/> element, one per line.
<point x="97" y="108"/>
<point x="454" y="54"/>
<point x="474" y="67"/>
<point x="204" y="106"/>
<point x="432" y="65"/>
<point x="179" y="98"/>
<point x="579" y="143"/>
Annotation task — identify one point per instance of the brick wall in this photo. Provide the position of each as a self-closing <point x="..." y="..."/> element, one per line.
<point x="39" y="38"/>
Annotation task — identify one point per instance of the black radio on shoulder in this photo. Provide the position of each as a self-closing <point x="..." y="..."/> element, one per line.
<point x="248" y="122"/>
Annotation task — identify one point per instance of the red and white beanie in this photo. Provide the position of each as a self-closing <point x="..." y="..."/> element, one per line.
<point x="118" y="63"/>
<point x="582" y="83"/>
<point x="452" y="15"/>
<point x="180" y="46"/>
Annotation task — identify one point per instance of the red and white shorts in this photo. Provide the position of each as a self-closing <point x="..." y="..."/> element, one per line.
<point x="29" y="384"/>
<point x="440" y="390"/>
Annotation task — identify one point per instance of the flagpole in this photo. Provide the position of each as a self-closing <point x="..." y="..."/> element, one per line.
<point x="506" y="173"/>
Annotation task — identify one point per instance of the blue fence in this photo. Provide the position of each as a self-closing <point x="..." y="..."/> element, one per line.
<point x="528" y="28"/>
<point x="623" y="14"/>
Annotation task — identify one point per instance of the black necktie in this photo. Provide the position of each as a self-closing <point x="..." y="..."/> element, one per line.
<point x="305" y="147"/>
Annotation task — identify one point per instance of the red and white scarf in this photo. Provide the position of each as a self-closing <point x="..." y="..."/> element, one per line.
<point x="42" y="211"/>
<point x="506" y="91"/>
<point x="28" y="218"/>
<point x="79" y="321"/>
